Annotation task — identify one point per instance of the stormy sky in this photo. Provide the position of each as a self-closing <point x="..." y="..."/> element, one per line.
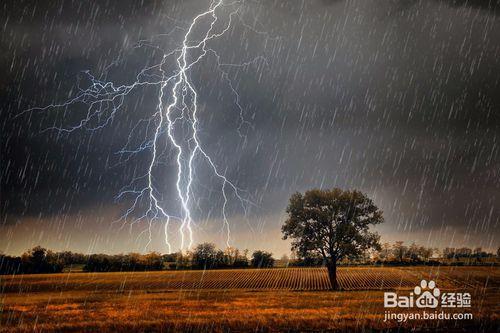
<point x="399" y="99"/>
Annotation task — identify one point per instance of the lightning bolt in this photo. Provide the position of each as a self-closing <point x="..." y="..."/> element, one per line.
<point x="175" y="119"/>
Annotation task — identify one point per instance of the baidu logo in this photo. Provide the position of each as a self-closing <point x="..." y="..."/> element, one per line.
<point x="427" y="295"/>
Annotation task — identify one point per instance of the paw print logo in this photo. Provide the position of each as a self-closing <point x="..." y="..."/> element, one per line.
<point x="428" y="294"/>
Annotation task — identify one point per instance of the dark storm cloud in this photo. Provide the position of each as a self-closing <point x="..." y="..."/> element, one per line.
<point x="397" y="98"/>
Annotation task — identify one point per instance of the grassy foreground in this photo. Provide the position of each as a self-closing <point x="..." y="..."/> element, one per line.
<point x="127" y="302"/>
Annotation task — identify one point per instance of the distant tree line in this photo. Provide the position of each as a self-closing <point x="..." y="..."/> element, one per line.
<point x="34" y="261"/>
<point x="204" y="256"/>
<point x="207" y="256"/>
<point x="465" y="252"/>
<point x="152" y="261"/>
<point x="398" y="253"/>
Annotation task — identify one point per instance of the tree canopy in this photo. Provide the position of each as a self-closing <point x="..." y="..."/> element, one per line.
<point x="332" y="223"/>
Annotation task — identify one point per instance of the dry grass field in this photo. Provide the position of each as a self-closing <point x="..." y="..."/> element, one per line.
<point x="285" y="299"/>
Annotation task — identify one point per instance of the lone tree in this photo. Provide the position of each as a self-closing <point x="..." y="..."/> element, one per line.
<point x="333" y="224"/>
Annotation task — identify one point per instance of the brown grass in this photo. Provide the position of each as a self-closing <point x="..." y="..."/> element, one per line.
<point x="109" y="302"/>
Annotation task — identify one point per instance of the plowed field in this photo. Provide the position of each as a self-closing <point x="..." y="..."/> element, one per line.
<point x="244" y="300"/>
<point x="350" y="278"/>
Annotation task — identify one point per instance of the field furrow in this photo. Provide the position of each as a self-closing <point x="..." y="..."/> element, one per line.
<point x="349" y="278"/>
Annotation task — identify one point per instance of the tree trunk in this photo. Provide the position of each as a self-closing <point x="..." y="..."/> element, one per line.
<point x="332" y="274"/>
